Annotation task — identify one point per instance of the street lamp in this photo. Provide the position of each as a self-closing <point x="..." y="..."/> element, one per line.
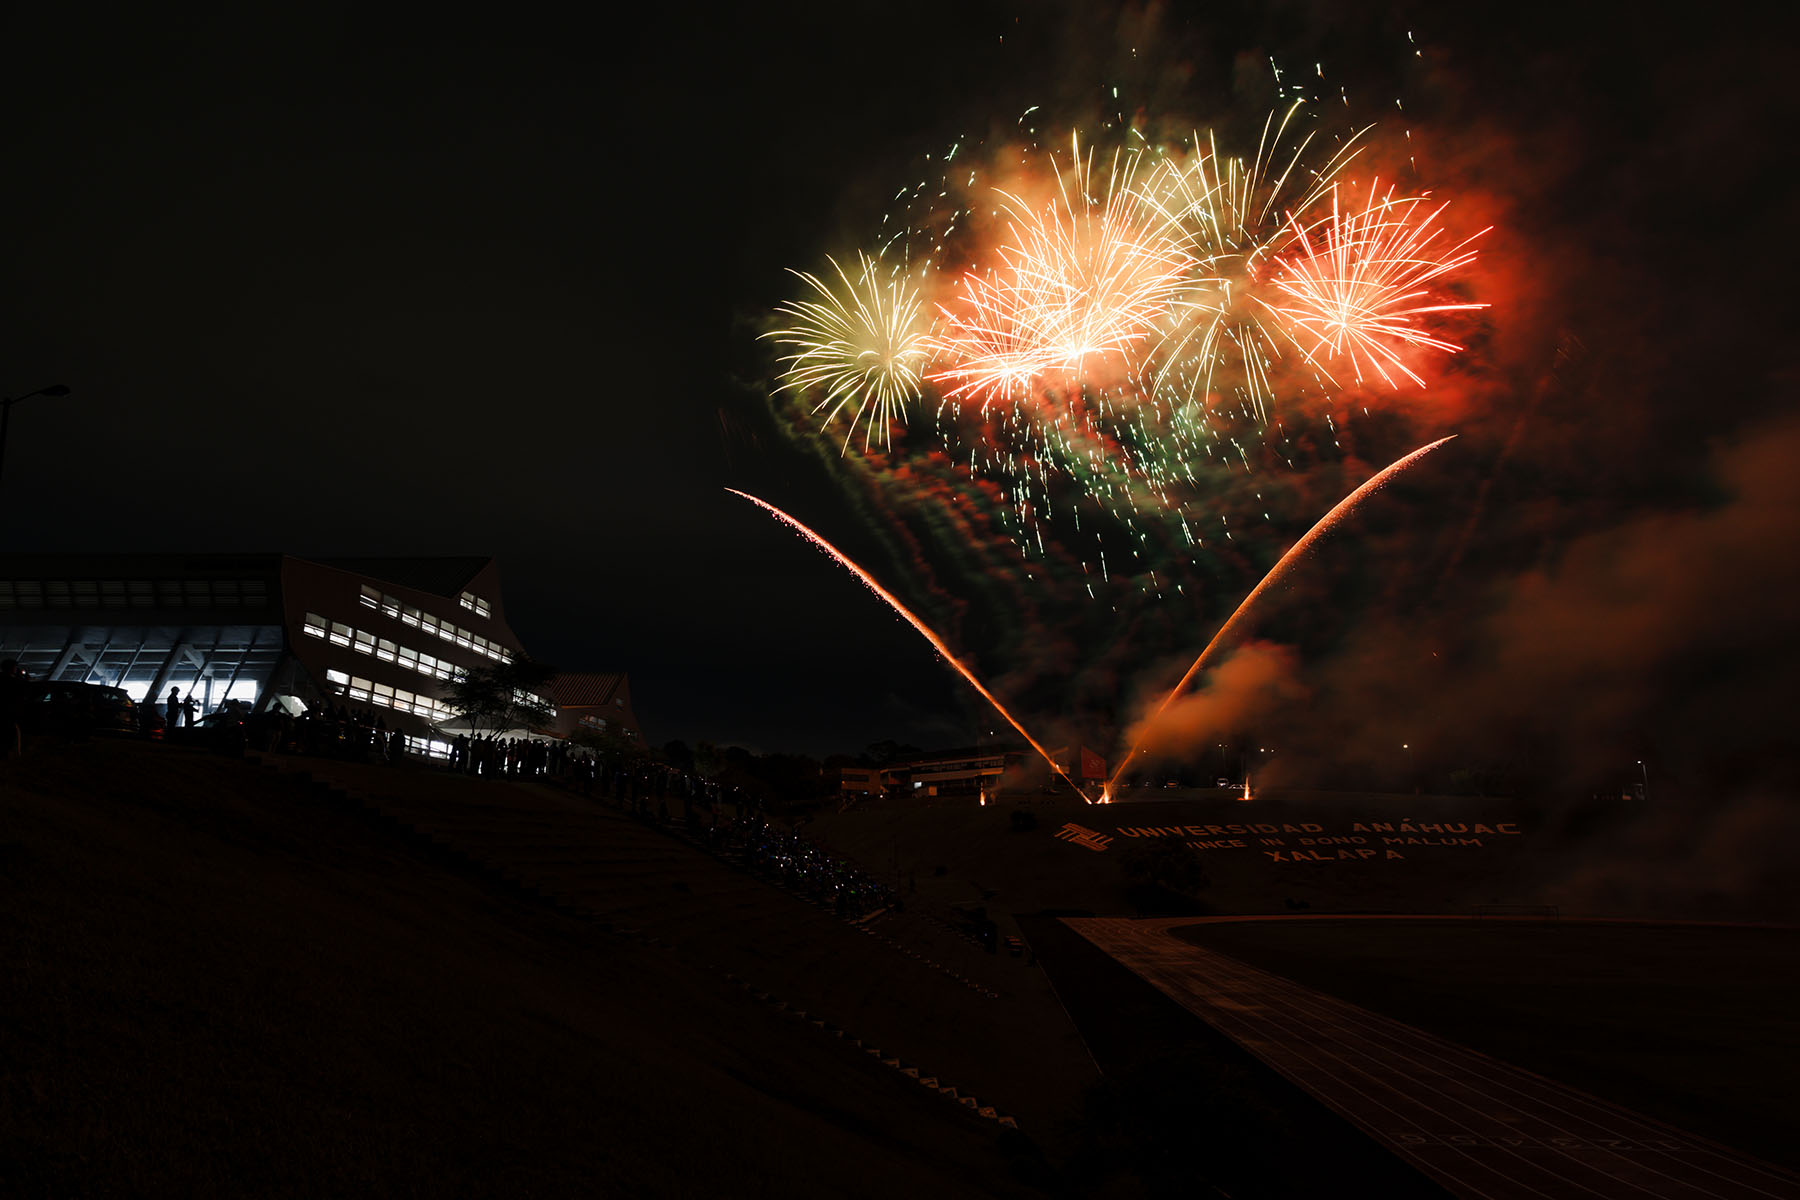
<point x="6" y="404"/>
<point x="1646" y="771"/>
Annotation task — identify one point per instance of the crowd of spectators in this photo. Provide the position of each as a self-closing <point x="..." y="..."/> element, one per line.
<point x="722" y="817"/>
<point x="791" y="860"/>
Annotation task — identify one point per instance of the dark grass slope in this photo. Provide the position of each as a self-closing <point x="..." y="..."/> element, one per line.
<point x="988" y="1027"/>
<point x="1696" y="1025"/>
<point x="217" y="981"/>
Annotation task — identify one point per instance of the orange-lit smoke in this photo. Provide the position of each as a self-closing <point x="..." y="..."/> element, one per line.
<point x="1325" y="523"/>
<point x="1252" y="682"/>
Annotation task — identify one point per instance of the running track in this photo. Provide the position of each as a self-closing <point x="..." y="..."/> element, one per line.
<point x="1477" y="1126"/>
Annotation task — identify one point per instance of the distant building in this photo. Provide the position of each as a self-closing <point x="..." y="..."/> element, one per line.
<point x="1080" y="764"/>
<point x="854" y="781"/>
<point x="264" y="629"/>
<point x="598" y="704"/>
<point x="971" y="771"/>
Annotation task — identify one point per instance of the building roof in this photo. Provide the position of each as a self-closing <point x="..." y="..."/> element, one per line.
<point x="439" y="576"/>
<point x="585" y="689"/>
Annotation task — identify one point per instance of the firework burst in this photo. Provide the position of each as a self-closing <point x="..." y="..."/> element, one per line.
<point x="1354" y="284"/>
<point x="863" y="347"/>
<point x="1229" y="216"/>
<point x="1082" y="278"/>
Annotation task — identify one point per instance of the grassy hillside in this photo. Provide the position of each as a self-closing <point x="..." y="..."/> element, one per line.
<point x="218" y="982"/>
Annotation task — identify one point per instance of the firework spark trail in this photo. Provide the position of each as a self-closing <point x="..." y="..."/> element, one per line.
<point x="937" y="643"/>
<point x="1325" y="523"/>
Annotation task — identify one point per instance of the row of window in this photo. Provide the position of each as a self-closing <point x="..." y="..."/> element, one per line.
<point x="133" y="593"/>
<point x="364" y="642"/>
<point x="364" y="691"/>
<point x="474" y="604"/>
<point x="381" y="602"/>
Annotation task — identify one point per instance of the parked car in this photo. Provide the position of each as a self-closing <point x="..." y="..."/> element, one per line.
<point x="63" y="706"/>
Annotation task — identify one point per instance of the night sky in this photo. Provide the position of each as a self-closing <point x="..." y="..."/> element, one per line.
<point x="332" y="288"/>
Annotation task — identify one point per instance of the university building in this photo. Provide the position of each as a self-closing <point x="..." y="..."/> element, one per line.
<point x="277" y="630"/>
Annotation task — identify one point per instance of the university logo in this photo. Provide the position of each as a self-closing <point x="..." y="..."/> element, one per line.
<point x="1093" y="839"/>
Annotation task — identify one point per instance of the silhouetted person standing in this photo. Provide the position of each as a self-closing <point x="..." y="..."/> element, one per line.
<point x="176" y="709"/>
<point x="12" y="702"/>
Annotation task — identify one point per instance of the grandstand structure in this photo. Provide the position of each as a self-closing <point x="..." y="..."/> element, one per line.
<point x="278" y="630"/>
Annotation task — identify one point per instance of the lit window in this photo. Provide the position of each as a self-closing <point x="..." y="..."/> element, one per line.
<point x="410" y="615"/>
<point x="466" y="600"/>
<point x="315" y="625"/>
<point x="336" y="676"/>
<point x="409" y="658"/>
<point x="428" y="623"/>
<point x="371" y="597"/>
<point x="340" y="633"/>
<point x="384" y="650"/>
<point x="403" y="700"/>
<point x="481" y="608"/>
<point x="381" y="694"/>
<point x="389" y="605"/>
<point x="359" y="688"/>
<point x="365" y="642"/>
<point x="463" y="639"/>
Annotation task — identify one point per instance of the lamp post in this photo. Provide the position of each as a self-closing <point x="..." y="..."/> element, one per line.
<point x="1646" y="771"/>
<point x="6" y="405"/>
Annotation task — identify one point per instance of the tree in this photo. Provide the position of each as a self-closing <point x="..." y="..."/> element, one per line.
<point x="677" y="755"/>
<point x="610" y="744"/>
<point x="498" y="696"/>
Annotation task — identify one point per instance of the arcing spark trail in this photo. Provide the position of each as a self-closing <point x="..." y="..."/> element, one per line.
<point x="925" y="631"/>
<point x="1325" y="524"/>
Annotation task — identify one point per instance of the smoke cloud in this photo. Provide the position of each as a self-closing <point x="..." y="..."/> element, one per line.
<point x="1259" y="679"/>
